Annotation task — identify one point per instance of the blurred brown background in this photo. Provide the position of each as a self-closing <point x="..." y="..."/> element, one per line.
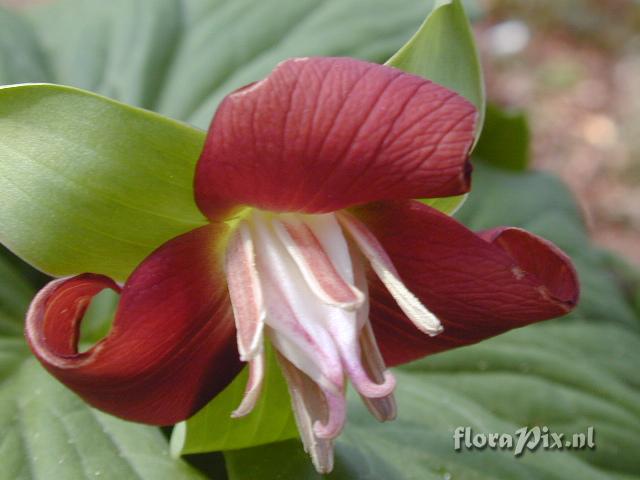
<point x="574" y="66"/>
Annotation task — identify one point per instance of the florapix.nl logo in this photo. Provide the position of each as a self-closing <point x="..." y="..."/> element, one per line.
<point x="523" y="439"/>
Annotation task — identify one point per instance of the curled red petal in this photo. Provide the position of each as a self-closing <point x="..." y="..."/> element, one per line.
<point x="537" y="256"/>
<point x="322" y="134"/>
<point x="172" y="344"/>
<point x="478" y="285"/>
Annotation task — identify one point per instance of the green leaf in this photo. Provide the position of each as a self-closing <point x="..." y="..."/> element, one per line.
<point x="367" y="29"/>
<point x="443" y="50"/>
<point x="99" y="316"/>
<point x="288" y="459"/>
<point x="213" y="429"/>
<point x="190" y="53"/>
<point x="121" y="48"/>
<point x="15" y="294"/>
<point x="96" y="199"/>
<point x="49" y="433"/>
<point x="504" y="141"/>
<point x="21" y="56"/>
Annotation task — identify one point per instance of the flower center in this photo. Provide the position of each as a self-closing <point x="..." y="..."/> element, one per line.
<point x="297" y="279"/>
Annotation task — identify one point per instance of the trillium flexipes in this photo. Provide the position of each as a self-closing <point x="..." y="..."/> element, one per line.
<point x="314" y="242"/>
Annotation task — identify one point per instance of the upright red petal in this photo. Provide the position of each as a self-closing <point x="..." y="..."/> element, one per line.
<point x="478" y="285"/>
<point x="322" y="134"/>
<point x="172" y="345"/>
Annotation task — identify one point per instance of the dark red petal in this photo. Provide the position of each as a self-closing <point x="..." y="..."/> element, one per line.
<point x="322" y="134"/>
<point x="479" y="285"/>
<point x="172" y="345"/>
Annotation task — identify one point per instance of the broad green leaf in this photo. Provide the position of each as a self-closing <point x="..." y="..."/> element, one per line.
<point x="368" y="29"/>
<point x="520" y="198"/>
<point x="627" y="276"/>
<point x="504" y="141"/>
<point x="49" y="433"/>
<point x="121" y="48"/>
<point x="190" y="53"/>
<point x="16" y="292"/>
<point x="34" y="278"/>
<point x="443" y="50"/>
<point x="213" y="429"/>
<point x="89" y="184"/>
<point x="288" y="460"/>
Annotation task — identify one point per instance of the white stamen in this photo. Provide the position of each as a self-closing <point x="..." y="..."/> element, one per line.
<point x="383" y="408"/>
<point x="337" y="415"/>
<point x="254" y="386"/>
<point x="309" y="408"/>
<point x="419" y="315"/>
<point x="245" y="291"/>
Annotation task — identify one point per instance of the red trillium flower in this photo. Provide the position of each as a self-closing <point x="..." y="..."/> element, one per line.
<point x="314" y="242"/>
